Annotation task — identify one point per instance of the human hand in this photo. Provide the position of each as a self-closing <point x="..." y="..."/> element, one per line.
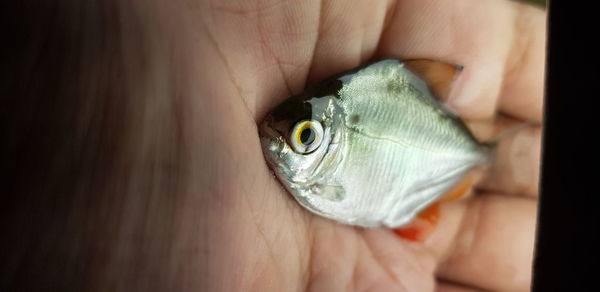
<point x="247" y="56"/>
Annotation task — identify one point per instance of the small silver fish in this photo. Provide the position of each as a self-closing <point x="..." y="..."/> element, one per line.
<point x="369" y="147"/>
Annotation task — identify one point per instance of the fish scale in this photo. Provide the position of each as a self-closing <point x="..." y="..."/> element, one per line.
<point x="386" y="148"/>
<point x="379" y="188"/>
<point x="391" y="108"/>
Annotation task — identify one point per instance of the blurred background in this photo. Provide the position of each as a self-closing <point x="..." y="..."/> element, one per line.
<point x="541" y="3"/>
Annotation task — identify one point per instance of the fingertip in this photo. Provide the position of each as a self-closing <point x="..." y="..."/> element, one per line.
<point x="523" y="91"/>
<point x="494" y="246"/>
<point x="517" y="165"/>
<point x="475" y="94"/>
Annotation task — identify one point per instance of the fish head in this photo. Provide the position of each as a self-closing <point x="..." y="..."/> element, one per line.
<point x="301" y="141"/>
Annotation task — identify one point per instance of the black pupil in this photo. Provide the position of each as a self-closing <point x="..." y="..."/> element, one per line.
<point x="307" y="136"/>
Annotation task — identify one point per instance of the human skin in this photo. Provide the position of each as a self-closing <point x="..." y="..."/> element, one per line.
<point x="178" y="195"/>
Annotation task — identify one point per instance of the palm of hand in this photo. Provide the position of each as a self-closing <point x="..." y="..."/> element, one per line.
<point x="263" y="51"/>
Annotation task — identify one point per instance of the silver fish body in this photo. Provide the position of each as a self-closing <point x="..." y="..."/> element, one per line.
<point x="370" y="147"/>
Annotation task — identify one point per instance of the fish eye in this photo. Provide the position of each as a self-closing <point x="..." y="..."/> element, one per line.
<point x="306" y="136"/>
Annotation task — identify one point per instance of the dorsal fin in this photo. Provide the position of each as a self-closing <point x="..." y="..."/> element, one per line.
<point x="438" y="75"/>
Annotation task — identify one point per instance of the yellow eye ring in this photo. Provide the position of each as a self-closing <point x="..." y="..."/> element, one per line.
<point x="306" y="136"/>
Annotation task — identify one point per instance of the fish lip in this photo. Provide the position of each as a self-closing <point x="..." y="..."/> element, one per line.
<point x="268" y="136"/>
<point x="272" y="145"/>
<point x="266" y="131"/>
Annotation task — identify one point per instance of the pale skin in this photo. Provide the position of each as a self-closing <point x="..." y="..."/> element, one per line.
<point x="237" y="229"/>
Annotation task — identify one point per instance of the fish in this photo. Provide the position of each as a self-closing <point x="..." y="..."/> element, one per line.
<point x="373" y="146"/>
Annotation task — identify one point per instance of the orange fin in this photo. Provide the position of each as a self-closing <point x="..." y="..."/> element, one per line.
<point x="422" y="226"/>
<point x="438" y="75"/>
<point x="464" y="187"/>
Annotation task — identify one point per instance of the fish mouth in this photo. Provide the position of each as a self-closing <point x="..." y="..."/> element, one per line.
<point x="271" y="142"/>
<point x="268" y="136"/>
<point x="273" y="147"/>
<point x="264" y="129"/>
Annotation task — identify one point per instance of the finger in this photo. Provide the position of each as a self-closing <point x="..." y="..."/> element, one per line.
<point x="349" y="32"/>
<point x="445" y="286"/>
<point x="481" y="36"/>
<point x="516" y="166"/>
<point x="516" y="163"/>
<point x="367" y="260"/>
<point x="411" y="266"/>
<point x="522" y="91"/>
<point x="491" y="129"/>
<point x="265" y="46"/>
<point x="486" y="242"/>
